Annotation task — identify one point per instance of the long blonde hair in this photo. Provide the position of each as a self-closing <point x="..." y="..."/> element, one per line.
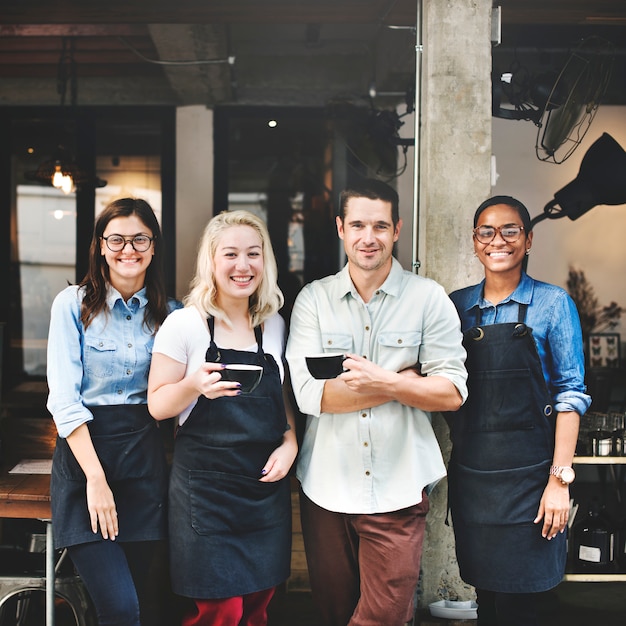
<point x="266" y="300"/>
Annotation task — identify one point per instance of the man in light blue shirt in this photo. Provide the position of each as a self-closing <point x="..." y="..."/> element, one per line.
<point x="369" y="454"/>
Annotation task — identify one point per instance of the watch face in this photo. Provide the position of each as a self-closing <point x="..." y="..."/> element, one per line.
<point x="567" y="475"/>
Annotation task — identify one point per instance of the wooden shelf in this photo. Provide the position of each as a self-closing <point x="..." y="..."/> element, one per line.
<point x="599" y="460"/>
<point x="595" y="578"/>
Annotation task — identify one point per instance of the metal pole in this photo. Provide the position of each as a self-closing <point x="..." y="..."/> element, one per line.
<point x="416" y="156"/>
<point x="49" y="575"/>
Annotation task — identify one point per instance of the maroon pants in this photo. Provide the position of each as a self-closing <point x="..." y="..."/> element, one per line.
<point x="364" y="569"/>
<point x="248" y="610"/>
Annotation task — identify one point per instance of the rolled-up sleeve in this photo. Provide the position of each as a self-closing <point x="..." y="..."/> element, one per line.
<point x="65" y="366"/>
<point x="305" y="337"/>
<point x="567" y="369"/>
<point x="442" y="352"/>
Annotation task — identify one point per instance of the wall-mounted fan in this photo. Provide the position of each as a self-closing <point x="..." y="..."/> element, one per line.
<point x="561" y="104"/>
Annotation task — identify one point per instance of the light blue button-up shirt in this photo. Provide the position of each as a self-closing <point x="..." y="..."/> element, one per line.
<point x="106" y="364"/>
<point x="376" y="459"/>
<point x="554" y="320"/>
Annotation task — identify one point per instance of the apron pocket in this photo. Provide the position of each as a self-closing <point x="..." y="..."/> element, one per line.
<point x="136" y="454"/>
<point x="496" y="498"/>
<point x="230" y="503"/>
<point x="502" y="401"/>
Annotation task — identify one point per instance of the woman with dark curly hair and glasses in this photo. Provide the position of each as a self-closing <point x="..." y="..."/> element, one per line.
<point x="109" y="475"/>
<point x="514" y="438"/>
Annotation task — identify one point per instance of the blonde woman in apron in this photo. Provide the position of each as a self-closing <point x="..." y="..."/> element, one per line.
<point x="229" y="493"/>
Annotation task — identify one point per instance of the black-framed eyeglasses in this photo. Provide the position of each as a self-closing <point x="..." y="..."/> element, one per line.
<point x="140" y="243"/>
<point x="486" y="234"/>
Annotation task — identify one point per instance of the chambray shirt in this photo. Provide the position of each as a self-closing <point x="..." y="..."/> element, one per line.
<point x="106" y="364"/>
<point x="376" y="459"/>
<point x="554" y="320"/>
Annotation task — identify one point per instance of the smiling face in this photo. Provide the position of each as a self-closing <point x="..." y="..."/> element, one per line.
<point x="499" y="256"/>
<point x="368" y="234"/>
<point x="127" y="267"/>
<point x="238" y="263"/>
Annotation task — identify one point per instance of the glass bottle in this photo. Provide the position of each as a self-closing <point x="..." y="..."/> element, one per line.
<point x="601" y="441"/>
<point x="617" y="435"/>
<point x="594" y="541"/>
<point x="621" y="546"/>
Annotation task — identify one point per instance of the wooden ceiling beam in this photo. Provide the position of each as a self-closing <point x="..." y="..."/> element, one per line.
<point x="401" y="12"/>
<point x="73" y="30"/>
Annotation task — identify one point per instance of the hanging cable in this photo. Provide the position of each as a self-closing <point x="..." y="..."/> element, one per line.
<point x="230" y="60"/>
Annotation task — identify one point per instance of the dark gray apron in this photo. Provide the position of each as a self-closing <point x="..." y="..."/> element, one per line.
<point x="130" y="449"/>
<point x="230" y="534"/>
<point x="503" y="442"/>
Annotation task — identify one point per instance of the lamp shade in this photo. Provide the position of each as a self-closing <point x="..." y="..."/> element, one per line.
<point x="601" y="179"/>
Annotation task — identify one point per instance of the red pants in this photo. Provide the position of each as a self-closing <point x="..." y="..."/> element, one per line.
<point x="248" y="610"/>
<point x="364" y="569"/>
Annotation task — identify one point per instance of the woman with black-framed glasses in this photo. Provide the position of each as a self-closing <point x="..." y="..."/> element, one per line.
<point x="109" y="476"/>
<point x="515" y="437"/>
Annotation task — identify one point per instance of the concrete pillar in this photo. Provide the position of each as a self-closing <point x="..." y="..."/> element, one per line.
<point x="455" y="150"/>
<point x="194" y="187"/>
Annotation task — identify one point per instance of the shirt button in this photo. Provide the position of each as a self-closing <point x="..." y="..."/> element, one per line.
<point x="130" y="345"/>
<point x="365" y="444"/>
<point x="367" y="473"/>
<point x="119" y="392"/>
<point x="399" y="340"/>
<point x="330" y="342"/>
<point x="367" y="328"/>
<point x="129" y="317"/>
<point x="363" y="414"/>
<point x="100" y="344"/>
<point x="129" y="372"/>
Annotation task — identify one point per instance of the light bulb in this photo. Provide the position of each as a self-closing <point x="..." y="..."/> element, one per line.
<point x="67" y="184"/>
<point x="57" y="177"/>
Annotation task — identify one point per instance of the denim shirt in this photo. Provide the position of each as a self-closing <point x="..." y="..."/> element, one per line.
<point x="554" y="320"/>
<point x="108" y="363"/>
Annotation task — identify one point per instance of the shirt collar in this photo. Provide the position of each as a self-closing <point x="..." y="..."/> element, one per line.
<point x="113" y="295"/>
<point x="391" y="286"/>
<point x="522" y="295"/>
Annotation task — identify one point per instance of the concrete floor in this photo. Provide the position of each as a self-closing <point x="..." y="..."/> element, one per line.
<point x="570" y="604"/>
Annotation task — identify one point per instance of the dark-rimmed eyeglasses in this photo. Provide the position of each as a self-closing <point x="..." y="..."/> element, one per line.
<point x="486" y="234"/>
<point x="140" y="243"/>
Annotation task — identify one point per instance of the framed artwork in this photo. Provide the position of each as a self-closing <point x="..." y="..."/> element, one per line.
<point x="604" y="349"/>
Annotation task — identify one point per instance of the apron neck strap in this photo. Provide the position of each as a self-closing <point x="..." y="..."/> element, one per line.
<point x="522" y="308"/>
<point x="258" y="335"/>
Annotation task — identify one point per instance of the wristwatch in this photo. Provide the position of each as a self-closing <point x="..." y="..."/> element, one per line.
<point x="565" y="474"/>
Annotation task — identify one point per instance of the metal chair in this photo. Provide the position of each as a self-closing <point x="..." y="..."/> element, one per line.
<point x="22" y="577"/>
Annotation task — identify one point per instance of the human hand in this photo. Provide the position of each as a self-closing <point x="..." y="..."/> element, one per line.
<point x="101" y="507"/>
<point x="280" y="461"/>
<point x="362" y="375"/>
<point x="208" y="382"/>
<point x="553" y="509"/>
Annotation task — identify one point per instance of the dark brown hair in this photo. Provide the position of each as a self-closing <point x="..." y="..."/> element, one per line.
<point x="373" y="190"/>
<point x="97" y="279"/>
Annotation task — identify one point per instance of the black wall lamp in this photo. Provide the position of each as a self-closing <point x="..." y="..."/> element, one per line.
<point x="601" y="180"/>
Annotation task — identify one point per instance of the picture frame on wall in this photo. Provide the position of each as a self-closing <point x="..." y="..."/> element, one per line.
<point x="604" y="349"/>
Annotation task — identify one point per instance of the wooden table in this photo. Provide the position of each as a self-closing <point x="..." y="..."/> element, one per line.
<point x="27" y="496"/>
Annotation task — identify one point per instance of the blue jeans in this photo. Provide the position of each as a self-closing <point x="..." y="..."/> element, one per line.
<point x="117" y="577"/>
